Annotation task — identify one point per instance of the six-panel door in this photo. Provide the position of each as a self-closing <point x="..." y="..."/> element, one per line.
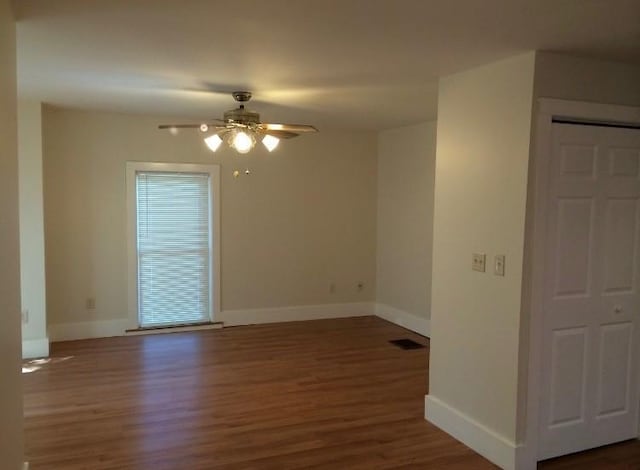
<point x="592" y="302"/>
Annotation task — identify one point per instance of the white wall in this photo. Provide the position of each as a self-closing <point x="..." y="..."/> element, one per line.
<point x="11" y="443"/>
<point x="576" y="78"/>
<point x="406" y="170"/>
<point x="482" y="157"/>
<point x="32" y="280"/>
<point x="305" y="217"/>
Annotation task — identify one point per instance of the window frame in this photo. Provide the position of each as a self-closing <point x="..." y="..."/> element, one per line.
<point x="132" y="168"/>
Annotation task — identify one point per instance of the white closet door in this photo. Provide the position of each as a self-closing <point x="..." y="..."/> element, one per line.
<point x="591" y="327"/>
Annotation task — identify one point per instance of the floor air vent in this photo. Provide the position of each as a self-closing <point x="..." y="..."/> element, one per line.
<point x="406" y="343"/>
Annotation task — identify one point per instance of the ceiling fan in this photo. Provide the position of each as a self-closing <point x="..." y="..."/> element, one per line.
<point x="240" y="128"/>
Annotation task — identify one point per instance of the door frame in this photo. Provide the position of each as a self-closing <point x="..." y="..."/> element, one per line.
<point x="213" y="170"/>
<point x="535" y="240"/>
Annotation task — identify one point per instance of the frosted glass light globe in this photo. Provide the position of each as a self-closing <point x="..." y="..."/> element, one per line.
<point x="213" y="142"/>
<point x="270" y="142"/>
<point x="242" y="142"/>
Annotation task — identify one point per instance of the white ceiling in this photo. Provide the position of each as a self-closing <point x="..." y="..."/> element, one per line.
<point x="355" y="64"/>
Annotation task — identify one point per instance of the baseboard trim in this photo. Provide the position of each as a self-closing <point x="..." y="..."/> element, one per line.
<point x="496" y="448"/>
<point x="294" y="313"/>
<point x="35" y="348"/>
<point x="107" y="328"/>
<point x="404" y="319"/>
<point x="87" y="330"/>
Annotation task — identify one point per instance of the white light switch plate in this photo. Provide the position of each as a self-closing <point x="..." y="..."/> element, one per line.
<point x="478" y="262"/>
<point x="498" y="267"/>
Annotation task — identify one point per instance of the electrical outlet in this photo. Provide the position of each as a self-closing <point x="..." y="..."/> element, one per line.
<point x="332" y="287"/>
<point x="91" y="303"/>
<point x="478" y="262"/>
<point x="498" y="267"/>
<point x="25" y="316"/>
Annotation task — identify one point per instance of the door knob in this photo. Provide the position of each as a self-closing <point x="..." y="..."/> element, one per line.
<point x="617" y="309"/>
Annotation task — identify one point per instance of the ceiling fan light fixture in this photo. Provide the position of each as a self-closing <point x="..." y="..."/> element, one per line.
<point x="213" y="142"/>
<point x="242" y="141"/>
<point x="241" y="128"/>
<point x="270" y="142"/>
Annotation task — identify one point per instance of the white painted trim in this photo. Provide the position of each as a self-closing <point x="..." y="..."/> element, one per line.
<point x="586" y="110"/>
<point x="132" y="268"/>
<point x="35" y="348"/>
<point x="404" y="319"/>
<point x="295" y="313"/>
<point x="86" y="330"/>
<point x="547" y="109"/>
<point x="491" y="445"/>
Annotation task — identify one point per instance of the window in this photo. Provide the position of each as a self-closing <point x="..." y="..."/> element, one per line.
<point x="172" y="250"/>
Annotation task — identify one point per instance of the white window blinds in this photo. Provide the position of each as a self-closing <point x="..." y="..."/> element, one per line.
<point x="173" y="248"/>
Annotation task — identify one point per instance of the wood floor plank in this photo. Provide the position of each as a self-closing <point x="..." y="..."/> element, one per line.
<point x="326" y="394"/>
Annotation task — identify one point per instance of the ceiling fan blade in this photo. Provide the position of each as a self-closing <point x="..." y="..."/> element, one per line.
<point x="278" y="134"/>
<point x="299" y="128"/>
<point x="192" y="126"/>
<point x="178" y="126"/>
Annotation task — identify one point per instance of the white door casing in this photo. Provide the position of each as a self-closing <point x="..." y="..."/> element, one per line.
<point x="591" y="300"/>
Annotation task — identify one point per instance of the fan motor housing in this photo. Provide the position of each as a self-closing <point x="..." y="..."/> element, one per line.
<point x="242" y="116"/>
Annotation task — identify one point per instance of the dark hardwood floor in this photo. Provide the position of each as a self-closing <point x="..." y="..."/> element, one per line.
<point x="321" y="394"/>
<point x="622" y="456"/>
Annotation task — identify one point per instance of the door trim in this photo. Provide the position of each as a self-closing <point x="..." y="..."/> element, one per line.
<point x="535" y="239"/>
